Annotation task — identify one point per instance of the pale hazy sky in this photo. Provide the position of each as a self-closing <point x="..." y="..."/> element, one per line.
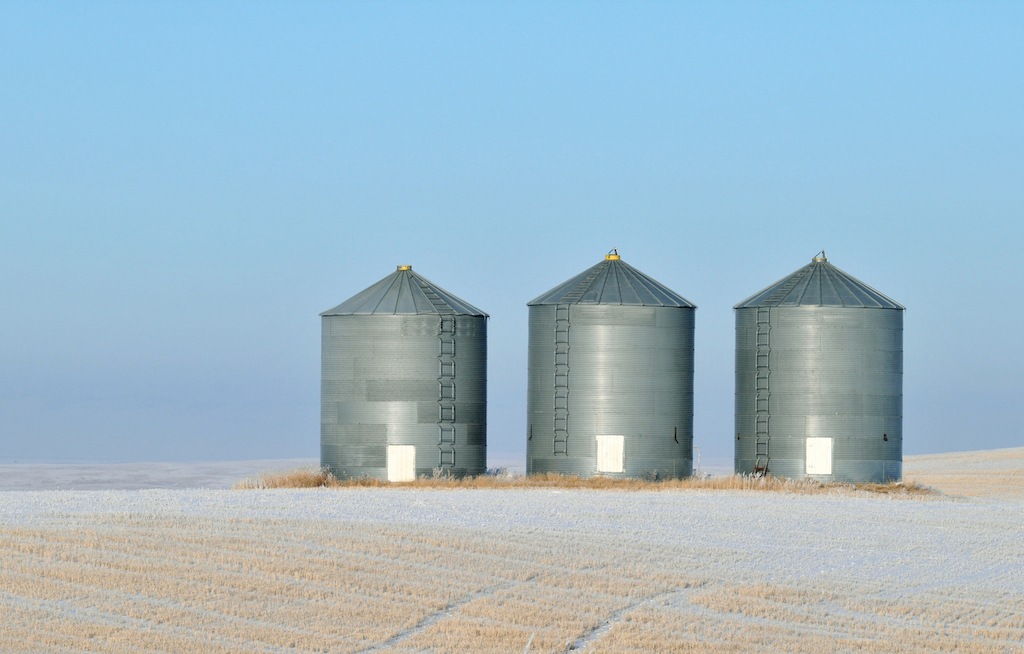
<point x="184" y="186"/>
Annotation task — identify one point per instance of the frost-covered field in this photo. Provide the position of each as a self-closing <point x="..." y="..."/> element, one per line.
<point x="393" y="570"/>
<point x="137" y="476"/>
<point x="988" y="473"/>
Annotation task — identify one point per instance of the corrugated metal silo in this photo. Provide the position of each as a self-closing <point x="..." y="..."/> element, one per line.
<point x="819" y="379"/>
<point x="404" y="382"/>
<point x="610" y="385"/>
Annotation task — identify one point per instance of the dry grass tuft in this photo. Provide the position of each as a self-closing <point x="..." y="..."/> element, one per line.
<point x="897" y="488"/>
<point x="302" y="478"/>
<point x="315" y="478"/>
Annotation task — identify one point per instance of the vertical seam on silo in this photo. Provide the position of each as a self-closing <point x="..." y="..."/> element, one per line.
<point x="633" y="287"/>
<point x="612" y="275"/>
<point x="666" y="296"/>
<point x="835" y="287"/>
<point x="385" y="294"/>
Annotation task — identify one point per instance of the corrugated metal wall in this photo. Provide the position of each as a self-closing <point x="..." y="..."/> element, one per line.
<point x="600" y="370"/>
<point x="820" y="372"/>
<point x="404" y="380"/>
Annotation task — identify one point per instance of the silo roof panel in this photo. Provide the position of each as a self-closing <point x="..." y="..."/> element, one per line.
<point x="820" y="284"/>
<point x="404" y="292"/>
<point x="612" y="281"/>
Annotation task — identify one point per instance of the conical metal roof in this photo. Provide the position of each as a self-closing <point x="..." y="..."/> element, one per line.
<point x="820" y="284"/>
<point x="613" y="281"/>
<point x="404" y="292"/>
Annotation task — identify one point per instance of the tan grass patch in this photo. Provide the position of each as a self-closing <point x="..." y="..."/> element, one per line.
<point x="986" y="473"/>
<point x="301" y="478"/>
<point x="322" y="479"/>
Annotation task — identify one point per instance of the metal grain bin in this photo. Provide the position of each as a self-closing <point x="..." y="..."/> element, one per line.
<point x="404" y="382"/>
<point x="819" y="379"/>
<point x="610" y="385"/>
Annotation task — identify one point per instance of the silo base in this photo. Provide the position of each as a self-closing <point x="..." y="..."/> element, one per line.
<point x="846" y="471"/>
<point x="654" y="469"/>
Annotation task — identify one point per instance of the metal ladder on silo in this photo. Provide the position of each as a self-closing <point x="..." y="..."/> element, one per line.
<point x="762" y="384"/>
<point x="446" y="391"/>
<point x="762" y="392"/>
<point x="445" y="377"/>
<point x="439" y="303"/>
<point x="561" y="420"/>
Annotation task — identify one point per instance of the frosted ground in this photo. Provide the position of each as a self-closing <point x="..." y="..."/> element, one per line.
<point x="399" y="570"/>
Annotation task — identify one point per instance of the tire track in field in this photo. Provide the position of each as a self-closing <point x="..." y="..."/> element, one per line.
<point x="447" y="611"/>
<point x="671" y="598"/>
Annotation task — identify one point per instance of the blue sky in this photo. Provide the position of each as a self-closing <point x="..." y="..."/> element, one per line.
<point x="184" y="186"/>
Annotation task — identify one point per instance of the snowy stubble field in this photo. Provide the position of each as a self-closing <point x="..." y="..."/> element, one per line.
<point x="523" y="570"/>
